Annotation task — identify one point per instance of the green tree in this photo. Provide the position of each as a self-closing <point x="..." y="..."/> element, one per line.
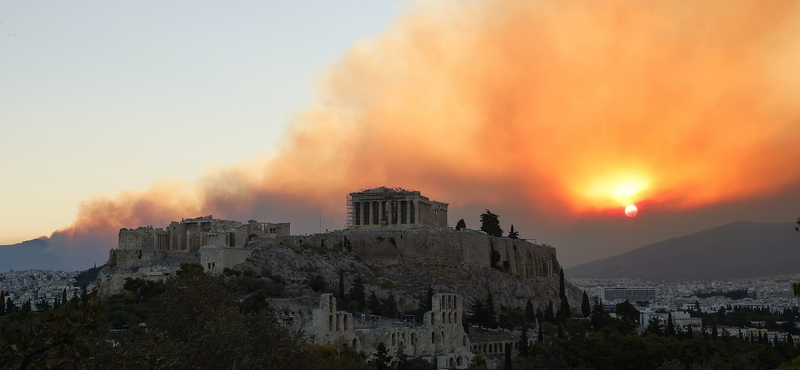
<point x="598" y="317"/>
<point x="654" y="326"/>
<point x="255" y="302"/>
<point x="513" y="234"/>
<point x="796" y="285"/>
<point x="540" y="336"/>
<point x="628" y="314"/>
<point x="43" y="305"/>
<point x="586" y="308"/>
<point x="461" y="224"/>
<point x="374" y="304"/>
<point x="11" y="307"/>
<point x="490" y="224"/>
<point x="190" y="269"/>
<point x="491" y="312"/>
<point x="381" y="359"/>
<point x="203" y="323"/>
<point x="401" y="359"/>
<point x="357" y="294"/>
<point x="507" y="361"/>
<point x="340" y="291"/>
<point x="563" y="309"/>
<point x="50" y="339"/>
<point x="483" y="312"/>
<point x="389" y="306"/>
<point x="549" y="315"/>
<point x="670" y="329"/>
<point x="530" y="314"/>
<point x="523" y="341"/>
<point x="317" y="283"/>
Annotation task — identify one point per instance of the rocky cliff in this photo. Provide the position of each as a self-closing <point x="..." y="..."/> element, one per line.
<point x="406" y="263"/>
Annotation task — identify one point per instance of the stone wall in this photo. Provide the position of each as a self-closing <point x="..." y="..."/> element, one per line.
<point x="216" y="259"/>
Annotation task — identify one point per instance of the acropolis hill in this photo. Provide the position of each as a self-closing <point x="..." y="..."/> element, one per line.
<point x="397" y="242"/>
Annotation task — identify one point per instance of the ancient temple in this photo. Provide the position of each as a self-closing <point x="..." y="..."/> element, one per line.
<point x="394" y="208"/>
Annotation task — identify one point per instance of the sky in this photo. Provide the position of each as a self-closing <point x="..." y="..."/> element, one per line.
<point x="555" y="115"/>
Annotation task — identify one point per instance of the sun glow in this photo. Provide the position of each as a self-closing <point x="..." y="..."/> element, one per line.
<point x="616" y="190"/>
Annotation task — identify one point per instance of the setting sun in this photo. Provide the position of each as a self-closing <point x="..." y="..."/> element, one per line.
<point x="631" y="211"/>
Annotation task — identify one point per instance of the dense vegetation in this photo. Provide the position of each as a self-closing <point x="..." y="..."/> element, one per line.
<point x="196" y="321"/>
<point x="616" y="346"/>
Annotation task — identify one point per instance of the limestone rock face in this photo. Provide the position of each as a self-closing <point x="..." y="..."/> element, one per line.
<point x="406" y="263"/>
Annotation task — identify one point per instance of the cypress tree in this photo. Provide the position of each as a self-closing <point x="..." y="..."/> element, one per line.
<point x="10" y="306"/>
<point x="586" y="308"/>
<point x="540" y="338"/>
<point x="491" y="313"/>
<point x="563" y="309"/>
<point x="670" y="330"/>
<point x="523" y="341"/>
<point x="530" y="314"/>
<point x="3" y="303"/>
<point x="548" y="314"/>
<point x="357" y="293"/>
<point x="430" y="298"/>
<point x="340" y="293"/>
<point x="508" y="357"/>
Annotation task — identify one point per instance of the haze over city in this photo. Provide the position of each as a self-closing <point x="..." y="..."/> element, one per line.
<point x="554" y="115"/>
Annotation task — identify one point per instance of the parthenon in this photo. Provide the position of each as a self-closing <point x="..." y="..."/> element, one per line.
<point x="394" y="208"/>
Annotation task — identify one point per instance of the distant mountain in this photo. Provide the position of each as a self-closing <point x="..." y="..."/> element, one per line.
<point x="30" y="255"/>
<point x="737" y="250"/>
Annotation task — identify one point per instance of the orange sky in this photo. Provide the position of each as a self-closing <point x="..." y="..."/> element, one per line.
<point x="555" y="113"/>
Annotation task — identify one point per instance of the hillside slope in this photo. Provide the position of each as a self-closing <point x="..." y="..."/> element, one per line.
<point x="737" y="250"/>
<point x="30" y="255"/>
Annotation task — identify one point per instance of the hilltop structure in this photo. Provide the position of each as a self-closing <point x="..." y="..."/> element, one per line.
<point x="156" y="253"/>
<point x="143" y="246"/>
<point x="396" y="240"/>
<point x="394" y="208"/>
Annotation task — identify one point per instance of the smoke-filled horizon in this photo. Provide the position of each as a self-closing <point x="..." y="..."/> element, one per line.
<point x="554" y="114"/>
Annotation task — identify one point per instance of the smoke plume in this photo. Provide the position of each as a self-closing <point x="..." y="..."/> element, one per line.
<point x="555" y="109"/>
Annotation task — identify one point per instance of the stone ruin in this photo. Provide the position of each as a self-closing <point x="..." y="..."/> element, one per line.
<point x="156" y="253"/>
<point x="440" y="339"/>
<point x="394" y="208"/>
<point x="144" y="246"/>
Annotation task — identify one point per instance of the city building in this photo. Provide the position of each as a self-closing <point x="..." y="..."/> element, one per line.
<point x="630" y="294"/>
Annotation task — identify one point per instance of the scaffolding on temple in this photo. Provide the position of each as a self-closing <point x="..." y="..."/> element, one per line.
<point x="349" y="222"/>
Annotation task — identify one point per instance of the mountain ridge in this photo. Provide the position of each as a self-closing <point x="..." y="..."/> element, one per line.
<point x="737" y="250"/>
<point x="30" y="255"/>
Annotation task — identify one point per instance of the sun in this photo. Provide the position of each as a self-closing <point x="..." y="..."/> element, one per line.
<point x="631" y="211"/>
